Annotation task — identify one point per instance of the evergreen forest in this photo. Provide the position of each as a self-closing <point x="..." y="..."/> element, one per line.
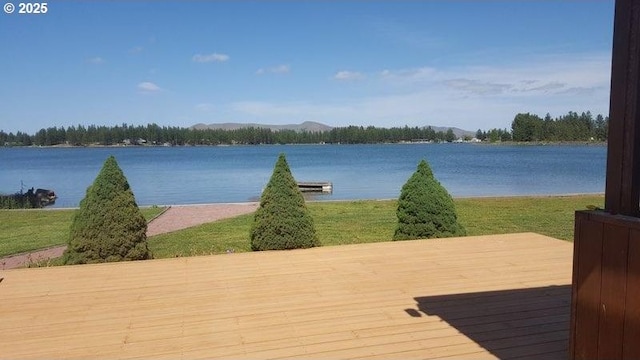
<point x="525" y="127"/>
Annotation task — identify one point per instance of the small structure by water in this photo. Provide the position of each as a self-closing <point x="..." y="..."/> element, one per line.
<point x="315" y="186"/>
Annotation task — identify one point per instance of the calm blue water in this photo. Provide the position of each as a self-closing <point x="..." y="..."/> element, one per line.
<point x="192" y="175"/>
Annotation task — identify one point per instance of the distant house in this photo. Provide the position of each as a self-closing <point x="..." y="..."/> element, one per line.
<point x="139" y="141"/>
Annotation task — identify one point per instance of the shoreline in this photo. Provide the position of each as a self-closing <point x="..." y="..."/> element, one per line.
<point x="344" y="200"/>
<point x="177" y="217"/>
<point x="488" y="143"/>
<point x="543" y="143"/>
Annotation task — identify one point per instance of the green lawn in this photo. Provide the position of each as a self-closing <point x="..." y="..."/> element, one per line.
<point x="356" y="222"/>
<point x="337" y="223"/>
<point x="552" y="216"/>
<point x="27" y="230"/>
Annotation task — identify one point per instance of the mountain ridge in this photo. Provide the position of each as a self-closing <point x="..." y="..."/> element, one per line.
<point x="310" y="126"/>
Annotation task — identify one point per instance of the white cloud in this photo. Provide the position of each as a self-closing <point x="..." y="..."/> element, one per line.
<point x="279" y="69"/>
<point x="408" y="75"/>
<point x="478" y="87"/>
<point x="538" y="86"/>
<point x="345" y="75"/>
<point x="148" y="87"/>
<point x="550" y="74"/>
<point x="215" y="57"/>
<point x="96" y="60"/>
<point x="469" y="97"/>
<point x="136" y="50"/>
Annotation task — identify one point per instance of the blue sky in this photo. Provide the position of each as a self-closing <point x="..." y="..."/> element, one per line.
<point x="447" y="63"/>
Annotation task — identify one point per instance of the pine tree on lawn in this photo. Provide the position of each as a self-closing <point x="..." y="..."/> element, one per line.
<point x="109" y="226"/>
<point x="425" y="208"/>
<point x="282" y="221"/>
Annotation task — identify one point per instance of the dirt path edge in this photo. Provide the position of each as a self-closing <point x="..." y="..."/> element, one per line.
<point x="175" y="217"/>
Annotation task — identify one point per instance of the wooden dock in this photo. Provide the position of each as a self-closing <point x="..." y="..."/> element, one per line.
<point x="315" y="186"/>
<point x="503" y="296"/>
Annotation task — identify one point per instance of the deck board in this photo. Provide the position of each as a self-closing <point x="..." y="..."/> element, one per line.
<point x="502" y="296"/>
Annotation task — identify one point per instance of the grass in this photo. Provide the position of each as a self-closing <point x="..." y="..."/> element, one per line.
<point x="28" y="230"/>
<point x="337" y="223"/>
<point x="552" y="216"/>
<point x="355" y="222"/>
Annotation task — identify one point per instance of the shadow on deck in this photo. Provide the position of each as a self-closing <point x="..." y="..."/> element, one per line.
<point x="509" y="324"/>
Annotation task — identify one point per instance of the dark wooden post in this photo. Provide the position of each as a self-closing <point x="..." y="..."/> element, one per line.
<point x="623" y="156"/>
<point x="605" y="304"/>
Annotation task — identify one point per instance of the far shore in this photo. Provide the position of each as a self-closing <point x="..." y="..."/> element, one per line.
<point x="544" y="143"/>
<point x="496" y="143"/>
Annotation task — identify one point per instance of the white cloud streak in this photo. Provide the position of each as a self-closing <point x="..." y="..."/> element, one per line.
<point x="346" y="75"/>
<point x="408" y="75"/>
<point x="279" y="69"/>
<point x="215" y="57"/>
<point x="148" y="87"/>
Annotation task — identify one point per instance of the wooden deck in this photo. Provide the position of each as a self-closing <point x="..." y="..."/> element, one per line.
<point x="503" y="296"/>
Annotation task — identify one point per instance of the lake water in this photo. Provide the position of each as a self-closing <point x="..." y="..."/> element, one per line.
<point x="193" y="175"/>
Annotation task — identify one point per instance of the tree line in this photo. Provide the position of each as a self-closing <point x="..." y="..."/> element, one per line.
<point x="569" y="127"/>
<point x="154" y="134"/>
<point x="525" y="127"/>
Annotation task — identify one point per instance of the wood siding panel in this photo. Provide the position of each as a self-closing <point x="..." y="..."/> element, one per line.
<point x="587" y="288"/>
<point x="579" y="217"/>
<point x="606" y="306"/>
<point x="631" y="348"/>
<point x="613" y="292"/>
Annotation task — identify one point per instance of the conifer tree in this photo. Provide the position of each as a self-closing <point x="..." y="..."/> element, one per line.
<point x="109" y="226"/>
<point x="282" y="221"/>
<point x="425" y="208"/>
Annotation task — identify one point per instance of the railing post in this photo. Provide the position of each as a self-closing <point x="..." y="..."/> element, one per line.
<point x="622" y="195"/>
<point x="605" y="295"/>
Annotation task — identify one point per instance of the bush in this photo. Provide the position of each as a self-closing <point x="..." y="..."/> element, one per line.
<point x="425" y="208"/>
<point x="109" y="226"/>
<point x="16" y="201"/>
<point x="282" y="221"/>
<point x="29" y="200"/>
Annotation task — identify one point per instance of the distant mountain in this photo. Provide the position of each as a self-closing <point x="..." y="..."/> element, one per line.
<point x="310" y="126"/>
<point x="460" y="133"/>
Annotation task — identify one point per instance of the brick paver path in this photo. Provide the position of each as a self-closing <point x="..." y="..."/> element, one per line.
<point x="177" y="217"/>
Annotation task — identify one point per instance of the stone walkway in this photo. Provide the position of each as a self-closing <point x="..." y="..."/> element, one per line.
<point x="177" y="217"/>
